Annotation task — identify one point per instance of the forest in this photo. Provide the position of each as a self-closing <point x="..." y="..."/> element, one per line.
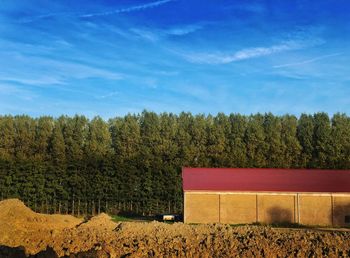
<point x="133" y="163"/>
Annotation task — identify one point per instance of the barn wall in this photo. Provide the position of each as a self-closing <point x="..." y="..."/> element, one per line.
<point x="241" y="208"/>
<point x="341" y="208"/>
<point x="276" y="208"/>
<point x="315" y="209"/>
<point x="238" y="208"/>
<point x="201" y="208"/>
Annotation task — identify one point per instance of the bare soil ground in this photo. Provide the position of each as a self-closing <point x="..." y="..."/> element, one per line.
<point x="26" y="233"/>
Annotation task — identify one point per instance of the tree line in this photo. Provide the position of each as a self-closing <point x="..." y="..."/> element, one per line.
<point x="133" y="163"/>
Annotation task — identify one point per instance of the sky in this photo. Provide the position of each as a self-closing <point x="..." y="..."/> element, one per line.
<point x="110" y="58"/>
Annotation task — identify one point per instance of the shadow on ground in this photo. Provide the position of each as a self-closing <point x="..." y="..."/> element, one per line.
<point x="19" y="252"/>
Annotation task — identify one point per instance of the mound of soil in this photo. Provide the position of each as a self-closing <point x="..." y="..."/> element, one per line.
<point x="13" y="212"/>
<point x="100" y="222"/>
<point x="24" y="232"/>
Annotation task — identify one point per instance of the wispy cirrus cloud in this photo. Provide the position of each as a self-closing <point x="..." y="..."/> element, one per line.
<point x="10" y="89"/>
<point x="249" y="53"/>
<point x="133" y="8"/>
<point x="38" y="81"/>
<point x="154" y="35"/>
<point x="307" y="61"/>
<point x="146" y="34"/>
<point x="127" y="9"/>
<point x="184" y="30"/>
<point x="52" y="72"/>
<point x="246" y="7"/>
<point x="108" y="95"/>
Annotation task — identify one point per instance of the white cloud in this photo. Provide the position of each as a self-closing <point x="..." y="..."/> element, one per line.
<point x="43" y="16"/>
<point x="180" y="31"/>
<point x="249" y="53"/>
<point x="39" y="71"/>
<point x="31" y="80"/>
<point x="108" y="95"/>
<point x="14" y="90"/>
<point x="145" y="34"/>
<point x="127" y="9"/>
<point x="307" y="61"/>
<point x="247" y="7"/>
<point x="133" y="8"/>
<point x="154" y="35"/>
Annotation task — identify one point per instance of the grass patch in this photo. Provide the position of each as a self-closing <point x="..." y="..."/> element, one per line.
<point x="273" y="225"/>
<point x="119" y="218"/>
<point x="287" y="225"/>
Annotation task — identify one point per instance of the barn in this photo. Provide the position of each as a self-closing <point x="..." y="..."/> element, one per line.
<point x="247" y="195"/>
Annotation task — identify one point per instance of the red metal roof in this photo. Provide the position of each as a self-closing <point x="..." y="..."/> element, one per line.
<point x="266" y="179"/>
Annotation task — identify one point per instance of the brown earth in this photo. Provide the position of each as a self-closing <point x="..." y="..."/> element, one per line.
<point x="24" y="232"/>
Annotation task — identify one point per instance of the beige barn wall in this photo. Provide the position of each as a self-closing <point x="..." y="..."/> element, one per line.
<point x="201" y="208"/>
<point x="240" y="208"/>
<point x="341" y="208"/>
<point x="315" y="209"/>
<point x="237" y="208"/>
<point x="276" y="208"/>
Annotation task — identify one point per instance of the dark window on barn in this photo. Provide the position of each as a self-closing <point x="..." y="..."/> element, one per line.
<point x="347" y="219"/>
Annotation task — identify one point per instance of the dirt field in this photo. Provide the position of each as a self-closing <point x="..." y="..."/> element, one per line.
<point x="24" y="233"/>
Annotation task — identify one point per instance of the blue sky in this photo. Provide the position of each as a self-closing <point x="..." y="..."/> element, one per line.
<point x="109" y="58"/>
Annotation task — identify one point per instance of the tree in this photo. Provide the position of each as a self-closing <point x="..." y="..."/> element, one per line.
<point x="255" y="142"/>
<point x="7" y="138"/>
<point x="236" y="140"/>
<point x="75" y="132"/>
<point x="126" y="138"/>
<point x="98" y="141"/>
<point x="340" y="142"/>
<point x="43" y="133"/>
<point x="217" y="147"/>
<point x="24" y="137"/>
<point x="292" y="148"/>
<point x="198" y="143"/>
<point x="321" y="140"/>
<point x="151" y="153"/>
<point x="169" y="171"/>
<point x="126" y="142"/>
<point x="305" y="131"/>
<point x="273" y="142"/>
<point x="186" y="150"/>
<point x="57" y="146"/>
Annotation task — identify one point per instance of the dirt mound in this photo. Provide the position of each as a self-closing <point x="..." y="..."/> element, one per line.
<point x="17" y="222"/>
<point x="13" y="206"/>
<point x="101" y="222"/>
<point x="13" y="212"/>
<point x="66" y="236"/>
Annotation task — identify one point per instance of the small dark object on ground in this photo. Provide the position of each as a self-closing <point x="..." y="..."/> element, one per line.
<point x="169" y="217"/>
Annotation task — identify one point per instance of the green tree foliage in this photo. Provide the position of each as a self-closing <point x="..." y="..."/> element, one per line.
<point x="75" y="132"/>
<point x="43" y="133"/>
<point x="198" y="132"/>
<point x="290" y="143"/>
<point x="73" y="164"/>
<point x="57" y="148"/>
<point x="7" y="138"/>
<point x="236" y="141"/>
<point x="98" y="141"/>
<point x="255" y="142"/>
<point x="273" y="141"/>
<point x="217" y="148"/>
<point x="183" y="138"/>
<point x="340" y="142"/>
<point x="321" y="140"/>
<point x="24" y="131"/>
<point x="305" y="132"/>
